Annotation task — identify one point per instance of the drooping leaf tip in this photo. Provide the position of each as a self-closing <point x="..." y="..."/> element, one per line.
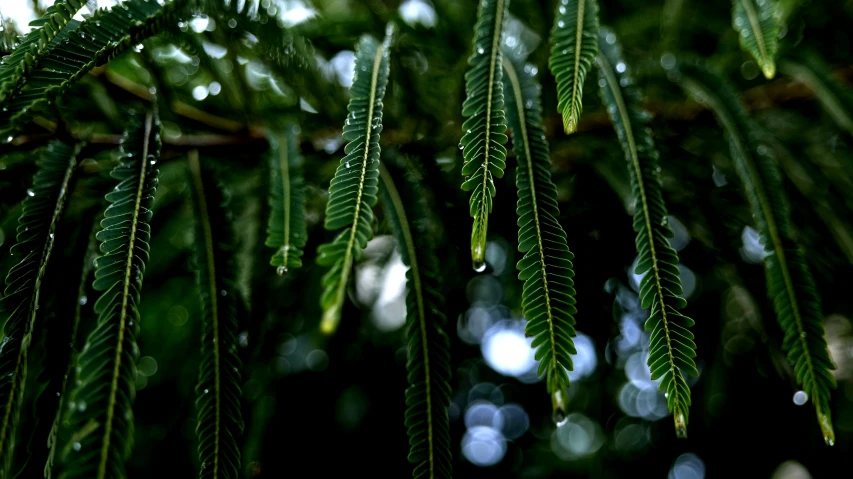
<point x="331" y="318"/>
<point x="826" y="428"/>
<point x="769" y="69"/>
<point x="559" y="406"/>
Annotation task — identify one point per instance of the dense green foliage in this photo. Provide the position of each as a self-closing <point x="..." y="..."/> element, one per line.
<point x="296" y="180"/>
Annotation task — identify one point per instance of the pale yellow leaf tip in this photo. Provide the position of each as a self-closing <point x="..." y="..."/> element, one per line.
<point x="769" y="69"/>
<point x="680" y="425"/>
<point x="570" y="124"/>
<point x="331" y="318"/>
<point x="826" y="427"/>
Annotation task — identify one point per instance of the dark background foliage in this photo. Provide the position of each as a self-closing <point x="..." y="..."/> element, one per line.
<point x="316" y="405"/>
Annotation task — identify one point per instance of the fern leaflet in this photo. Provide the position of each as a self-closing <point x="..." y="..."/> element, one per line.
<point x="836" y="98"/>
<point x="574" y="46"/>
<point x="757" y="25"/>
<point x="671" y="346"/>
<point x="99" y="415"/>
<point x="52" y="442"/>
<point x="789" y="282"/>
<point x="220" y="422"/>
<point x="428" y="365"/>
<point x="286" y="231"/>
<point x="36" y="229"/>
<point x="96" y="41"/>
<point x="15" y="68"/>
<point x="352" y="192"/>
<point x="548" y="297"/>
<point x="485" y="124"/>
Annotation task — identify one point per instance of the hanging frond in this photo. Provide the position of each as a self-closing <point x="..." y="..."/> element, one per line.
<point x="789" y="283"/>
<point x="86" y="272"/>
<point x="15" y="68"/>
<point x="96" y="41"/>
<point x="671" y="348"/>
<point x="548" y="297"/>
<point x="352" y="192"/>
<point x="36" y="228"/>
<point x="485" y="123"/>
<point x="220" y="422"/>
<point x="756" y="23"/>
<point x="99" y="416"/>
<point x="428" y="352"/>
<point x="574" y="45"/>
<point x="836" y="98"/>
<point x="286" y="230"/>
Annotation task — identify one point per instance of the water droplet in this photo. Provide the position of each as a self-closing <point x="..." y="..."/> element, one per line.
<point x="347" y="164"/>
<point x="479" y="266"/>
<point x="561" y="24"/>
<point x="76" y="446"/>
<point x="30" y="192"/>
<point x="81" y="406"/>
<point x="243" y="339"/>
<point x="223" y="293"/>
<point x="829" y="441"/>
<point x="206" y="391"/>
<point x="800" y="398"/>
<point x="281" y="270"/>
<point x="51" y="236"/>
<point x="480" y="50"/>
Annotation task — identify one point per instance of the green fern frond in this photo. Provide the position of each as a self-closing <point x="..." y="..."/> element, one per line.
<point x="99" y="415"/>
<point x="220" y="422"/>
<point x="756" y="23"/>
<point x="836" y="98"/>
<point x="671" y="349"/>
<point x="15" y="68"/>
<point x="286" y="231"/>
<point x="789" y="283"/>
<point x="96" y="41"/>
<point x="428" y="352"/>
<point x="86" y="271"/>
<point x="485" y="124"/>
<point x="574" y="45"/>
<point x="548" y="297"/>
<point x="352" y="192"/>
<point x="36" y="227"/>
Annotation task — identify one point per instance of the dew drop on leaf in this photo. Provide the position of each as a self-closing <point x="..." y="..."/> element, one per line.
<point x="479" y="266"/>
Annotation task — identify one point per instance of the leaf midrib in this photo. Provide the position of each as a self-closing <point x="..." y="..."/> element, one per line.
<point x="578" y="38"/>
<point x="9" y="419"/>
<point x="635" y="163"/>
<point x="756" y="28"/>
<point x="418" y="289"/>
<point x="284" y="165"/>
<point x="493" y="57"/>
<point x="143" y="174"/>
<point x="522" y="121"/>
<point x="347" y="264"/>
<point x="729" y="124"/>
<point x="214" y="301"/>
